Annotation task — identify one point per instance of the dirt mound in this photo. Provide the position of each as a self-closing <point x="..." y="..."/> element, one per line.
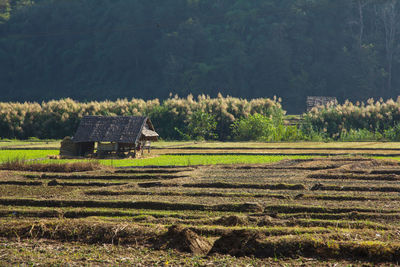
<point x="251" y="207"/>
<point x="265" y="221"/>
<point x="250" y="243"/>
<point x="356" y="165"/>
<point x="145" y="218"/>
<point x="319" y="164"/>
<point x="317" y="186"/>
<point x="184" y="240"/>
<point x="288" y="163"/>
<point x="365" y="166"/>
<point x="276" y="165"/>
<point x="239" y="207"/>
<point x="238" y="243"/>
<point x="53" y="182"/>
<point x="231" y="220"/>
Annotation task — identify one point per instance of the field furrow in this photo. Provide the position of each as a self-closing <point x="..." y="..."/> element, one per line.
<point x="329" y="208"/>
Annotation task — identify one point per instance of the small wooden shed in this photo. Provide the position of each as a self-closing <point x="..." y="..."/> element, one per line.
<point x="119" y="134"/>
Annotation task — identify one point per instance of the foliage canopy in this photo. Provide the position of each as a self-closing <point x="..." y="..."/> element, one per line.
<point x="110" y="49"/>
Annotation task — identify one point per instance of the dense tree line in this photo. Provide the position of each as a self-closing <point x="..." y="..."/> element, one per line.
<point x="109" y="49"/>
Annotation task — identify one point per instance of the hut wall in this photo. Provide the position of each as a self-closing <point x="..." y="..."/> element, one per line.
<point x="68" y="147"/>
<point x="85" y="148"/>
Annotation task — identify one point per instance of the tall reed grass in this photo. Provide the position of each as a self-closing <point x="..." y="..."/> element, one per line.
<point x="60" y="118"/>
<point x="373" y="120"/>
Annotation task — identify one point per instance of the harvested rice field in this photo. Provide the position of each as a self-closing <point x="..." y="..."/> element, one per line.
<point x="297" y="211"/>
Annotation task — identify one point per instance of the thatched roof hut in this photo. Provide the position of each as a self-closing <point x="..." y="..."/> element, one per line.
<point x="125" y="133"/>
<point x="119" y="129"/>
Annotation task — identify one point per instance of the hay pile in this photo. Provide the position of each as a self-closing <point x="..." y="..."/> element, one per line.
<point x="68" y="147"/>
<point x="184" y="240"/>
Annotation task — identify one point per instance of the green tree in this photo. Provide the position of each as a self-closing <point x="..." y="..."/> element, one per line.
<point x="202" y="126"/>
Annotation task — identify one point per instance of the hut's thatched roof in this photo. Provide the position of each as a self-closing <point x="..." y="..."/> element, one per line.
<point x="121" y="129"/>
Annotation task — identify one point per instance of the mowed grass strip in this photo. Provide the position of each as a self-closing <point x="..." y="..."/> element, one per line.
<point x="161" y="160"/>
<point x="226" y="185"/>
<point x="240" y="195"/>
<point x="154" y="171"/>
<point x="322" y="187"/>
<point x="352" y="176"/>
<point x="273" y="222"/>
<point x="199" y="221"/>
<point x="151" y="205"/>
<point x="280" y="186"/>
<point x="103" y="176"/>
<point x="338" y="224"/>
<point x="117" y="214"/>
<point x="188" y="160"/>
<point x="216" y="230"/>
<point x="177" y="193"/>
<point x="48" y="213"/>
<point x="97" y="184"/>
<point x="318" y="209"/>
<point x="372" y="216"/>
<point x="9" y="155"/>
<point x="36" y="166"/>
<point x="154" y="205"/>
<point x="20" y="183"/>
<point x="30" y="144"/>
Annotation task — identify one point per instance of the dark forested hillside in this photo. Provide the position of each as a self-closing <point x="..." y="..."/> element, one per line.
<point x="108" y="49"/>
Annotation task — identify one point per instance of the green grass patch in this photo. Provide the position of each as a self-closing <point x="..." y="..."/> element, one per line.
<point x="187" y="160"/>
<point x="29" y="143"/>
<point x="394" y="158"/>
<point x="9" y="155"/>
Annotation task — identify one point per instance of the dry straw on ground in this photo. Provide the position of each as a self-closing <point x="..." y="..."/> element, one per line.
<point x="23" y="165"/>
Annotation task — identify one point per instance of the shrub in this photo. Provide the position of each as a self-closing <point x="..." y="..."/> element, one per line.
<point x="254" y="127"/>
<point x="360" y="135"/>
<point x="393" y="134"/>
<point x="262" y="128"/>
<point x="202" y="126"/>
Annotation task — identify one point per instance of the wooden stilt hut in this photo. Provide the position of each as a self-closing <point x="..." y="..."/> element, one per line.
<point x="119" y="135"/>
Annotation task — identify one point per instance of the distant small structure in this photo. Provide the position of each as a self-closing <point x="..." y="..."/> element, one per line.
<point x="314" y="101"/>
<point x="118" y="135"/>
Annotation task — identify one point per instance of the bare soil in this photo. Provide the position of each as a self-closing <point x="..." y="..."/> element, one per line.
<point x="340" y="209"/>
